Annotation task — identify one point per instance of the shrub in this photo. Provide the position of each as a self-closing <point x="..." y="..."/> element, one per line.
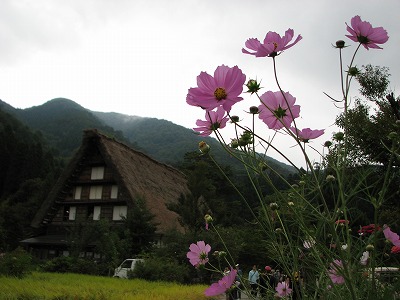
<point x="158" y="269"/>
<point x="64" y="264"/>
<point x="17" y="263"/>
<point x="60" y="264"/>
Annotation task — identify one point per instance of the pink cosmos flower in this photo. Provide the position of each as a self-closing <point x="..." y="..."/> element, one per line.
<point x="198" y="254"/>
<point x="334" y="272"/>
<point x="222" y="285"/>
<point x="364" y="33"/>
<point x="368" y="229"/>
<point x="395" y="250"/>
<point x="341" y="222"/>
<point x="278" y="110"/>
<point x="391" y="236"/>
<point x="273" y="44"/>
<point x="221" y="90"/>
<point x="283" y="289"/>
<point x="214" y="120"/>
<point x="307" y="134"/>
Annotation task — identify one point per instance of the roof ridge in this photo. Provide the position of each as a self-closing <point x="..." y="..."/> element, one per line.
<point x="89" y="133"/>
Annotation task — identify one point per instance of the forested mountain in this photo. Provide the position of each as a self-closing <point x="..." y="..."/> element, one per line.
<point x="61" y="121"/>
<point x="28" y="170"/>
<point x="160" y="139"/>
<point x="23" y="154"/>
<point x="169" y="142"/>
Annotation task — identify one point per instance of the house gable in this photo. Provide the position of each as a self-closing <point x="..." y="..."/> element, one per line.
<point x="104" y="179"/>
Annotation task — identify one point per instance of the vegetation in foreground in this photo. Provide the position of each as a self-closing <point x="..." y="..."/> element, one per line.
<point x="76" y="286"/>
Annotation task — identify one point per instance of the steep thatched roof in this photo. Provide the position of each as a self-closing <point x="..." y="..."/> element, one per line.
<point x="141" y="176"/>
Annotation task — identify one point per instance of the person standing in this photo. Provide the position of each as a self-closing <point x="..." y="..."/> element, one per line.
<point x="254" y="277"/>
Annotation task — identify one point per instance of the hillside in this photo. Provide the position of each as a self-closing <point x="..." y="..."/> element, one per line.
<point x="169" y="142"/>
<point x="161" y="139"/>
<point x="61" y="121"/>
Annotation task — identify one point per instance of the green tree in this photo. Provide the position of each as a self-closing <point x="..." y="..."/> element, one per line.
<point x="211" y="194"/>
<point x="373" y="143"/>
<point x="372" y="120"/>
<point x="28" y="171"/>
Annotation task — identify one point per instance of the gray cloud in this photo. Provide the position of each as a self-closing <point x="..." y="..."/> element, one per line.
<point x="144" y="55"/>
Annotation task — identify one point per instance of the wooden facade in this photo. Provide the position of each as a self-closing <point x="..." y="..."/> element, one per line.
<point x="103" y="181"/>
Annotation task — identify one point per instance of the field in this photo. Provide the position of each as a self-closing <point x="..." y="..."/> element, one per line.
<point x="55" y="286"/>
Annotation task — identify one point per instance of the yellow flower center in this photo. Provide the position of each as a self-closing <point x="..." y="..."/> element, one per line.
<point x="220" y="93"/>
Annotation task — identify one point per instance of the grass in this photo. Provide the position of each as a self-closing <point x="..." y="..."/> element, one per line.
<point x="38" y="286"/>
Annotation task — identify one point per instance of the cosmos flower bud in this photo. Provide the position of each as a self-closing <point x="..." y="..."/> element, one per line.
<point x="234" y="119"/>
<point x="254" y="110"/>
<point x="253" y="86"/>
<point x="330" y="178"/>
<point x="274" y="206"/>
<point x="327" y="144"/>
<point x="353" y="71"/>
<point x="234" y="143"/>
<point x="208" y="218"/>
<point x="340" y="44"/>
<point x="278" y="230"/>
<point x="204" y="147"/>
<point x="221" y="254"/>
<point x="370" y="247"/>
<point x="246" y="138"/>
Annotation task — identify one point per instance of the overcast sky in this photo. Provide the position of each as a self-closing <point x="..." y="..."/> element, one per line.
<point x="140" y="57"/>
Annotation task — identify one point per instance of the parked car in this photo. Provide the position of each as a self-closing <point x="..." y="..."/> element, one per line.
<point x="126" y="266"/>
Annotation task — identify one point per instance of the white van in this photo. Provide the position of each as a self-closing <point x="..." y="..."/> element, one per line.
<point x="127" y="265"/>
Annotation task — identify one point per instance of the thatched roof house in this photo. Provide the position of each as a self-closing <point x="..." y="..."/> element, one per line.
<point x="103" y="180"/>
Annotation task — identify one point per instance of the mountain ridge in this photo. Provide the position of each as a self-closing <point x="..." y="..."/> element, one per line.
<point x="62" y="122"/>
